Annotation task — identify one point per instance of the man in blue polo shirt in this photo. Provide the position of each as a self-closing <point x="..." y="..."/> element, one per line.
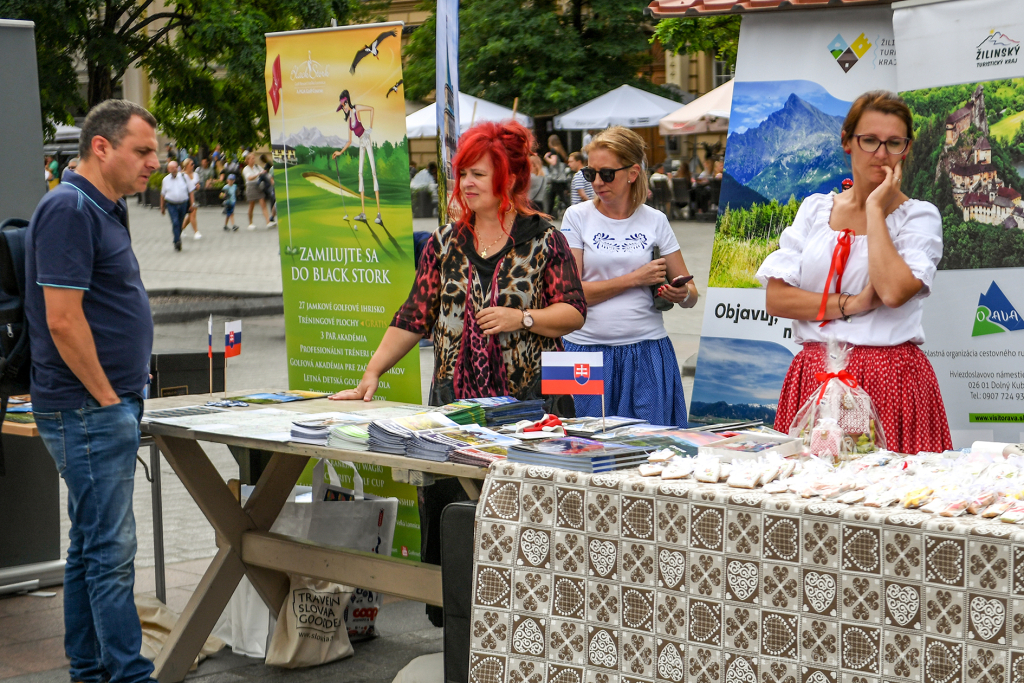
<point x="91" y="334"/>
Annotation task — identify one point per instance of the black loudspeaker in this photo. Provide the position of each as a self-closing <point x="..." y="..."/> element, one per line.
<point x="180" y="374"/>
<point x="457" y="587"/>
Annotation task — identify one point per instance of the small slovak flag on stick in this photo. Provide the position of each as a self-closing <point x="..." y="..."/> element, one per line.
<point x="563" y="372"/>
<point x="232" y="338"/>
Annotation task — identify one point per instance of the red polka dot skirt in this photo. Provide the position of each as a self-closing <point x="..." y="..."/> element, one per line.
<point x="900" y="381"/>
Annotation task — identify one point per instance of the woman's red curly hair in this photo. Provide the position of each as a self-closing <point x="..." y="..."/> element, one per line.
<point x="509" y="145"/>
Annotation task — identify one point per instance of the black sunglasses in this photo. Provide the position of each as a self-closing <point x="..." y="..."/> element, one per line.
<point x="607" y="174"/>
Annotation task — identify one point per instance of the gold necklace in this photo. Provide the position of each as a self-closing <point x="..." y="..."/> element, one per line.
<point x="484" y="252"/>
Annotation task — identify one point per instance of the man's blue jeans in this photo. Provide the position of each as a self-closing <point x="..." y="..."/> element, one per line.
<point x="177" y="213"/>
<point x="94" y="449"/>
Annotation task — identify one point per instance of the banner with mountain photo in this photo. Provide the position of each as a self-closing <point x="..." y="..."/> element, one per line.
<point x="341" y="162"/>
<point x="796" y="76"/>
<point x="962" y="74"/>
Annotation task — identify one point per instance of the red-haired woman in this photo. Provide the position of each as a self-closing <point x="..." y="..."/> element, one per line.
<point x="884" y="248"/>
<point x="494" y="288"/>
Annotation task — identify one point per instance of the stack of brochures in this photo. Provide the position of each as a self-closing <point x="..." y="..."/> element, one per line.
<point x="464" y="413"/>
<point x="316" y="429"/>
<point x="500" y="410"/>
<point x="681" y="441"/>
<point x="438" y="444"/>
<point x="352" y="437"/>
<point x="588" y="426"/>
<point x="575" y="453"/>
<point x="481" y="456"/>
<point x="391" y="436"/>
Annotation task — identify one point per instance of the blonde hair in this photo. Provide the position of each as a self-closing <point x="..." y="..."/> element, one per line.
<point x="629" y="147"/>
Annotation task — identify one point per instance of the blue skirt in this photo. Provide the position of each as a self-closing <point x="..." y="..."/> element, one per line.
<point x="642" y="380"/>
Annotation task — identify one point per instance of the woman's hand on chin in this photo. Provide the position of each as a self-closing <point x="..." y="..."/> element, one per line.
<point x="365" y="390"/>
<point x="889" y="189"/>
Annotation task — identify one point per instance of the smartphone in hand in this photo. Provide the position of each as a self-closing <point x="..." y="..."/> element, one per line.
<point x="681" y="280"/>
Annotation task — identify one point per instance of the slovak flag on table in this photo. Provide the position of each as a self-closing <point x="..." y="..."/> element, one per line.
<point x="572" y="373"/>
<point x="232" y="338"/>
<point x="209" y="338"/>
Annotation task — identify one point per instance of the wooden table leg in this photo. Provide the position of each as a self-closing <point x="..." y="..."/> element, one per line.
<point x="201" y="479"/>
<point x="200" y="615"/>
<point x="471" y="487"/>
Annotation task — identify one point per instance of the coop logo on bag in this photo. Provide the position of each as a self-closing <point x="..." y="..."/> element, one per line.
<point x="323" y="612"/>
<point x="995" y="314"/>
<point x="997" y="49"/>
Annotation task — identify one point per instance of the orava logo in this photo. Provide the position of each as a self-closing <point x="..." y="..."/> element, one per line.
<point x="995" y="313"/>
<point x="848" y="55"/>
<point x="997" y="48"/>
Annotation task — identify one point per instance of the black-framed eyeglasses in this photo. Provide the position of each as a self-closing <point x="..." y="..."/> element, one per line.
<point x="607" y="174"/>
<point x="871" y="143"/>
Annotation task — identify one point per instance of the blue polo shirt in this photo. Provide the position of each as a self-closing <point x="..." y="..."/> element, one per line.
<point x="79" y="239"/>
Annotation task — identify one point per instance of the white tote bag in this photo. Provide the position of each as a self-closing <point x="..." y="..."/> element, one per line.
<point x="311" y="626"/>
<point x="350" y="518"/>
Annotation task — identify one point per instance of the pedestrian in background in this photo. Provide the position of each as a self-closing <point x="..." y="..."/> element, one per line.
<point x="580" y="190"/>
<point x="269" y="188"/>
<point x="91" y="334"/>
<point x="188" y="170"/>
<point x="538" y="183"/>
<point x="175" y="198"/>
<point x="229" y="195"/>
<point x="253" y="194"/>
<point x="206" y="174"/>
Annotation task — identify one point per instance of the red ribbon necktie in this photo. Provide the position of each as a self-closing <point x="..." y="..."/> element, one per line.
<point x="840" y="255"/>
<point x="843" y="376"/>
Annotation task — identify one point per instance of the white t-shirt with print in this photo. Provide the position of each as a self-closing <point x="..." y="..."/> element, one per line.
<point x="612" y="248"/>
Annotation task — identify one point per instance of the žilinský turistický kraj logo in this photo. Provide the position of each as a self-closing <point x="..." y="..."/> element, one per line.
<point x="848" y="55"/>
<point x="995" y="313"/>
<point x="997" y="49"/>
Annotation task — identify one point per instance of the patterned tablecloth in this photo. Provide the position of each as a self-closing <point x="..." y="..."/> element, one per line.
<point x="620" y="579"/>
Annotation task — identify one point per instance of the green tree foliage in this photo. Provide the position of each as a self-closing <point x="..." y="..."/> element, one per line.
<point x="206" y="56"/>
<point x="550" y="54"/>
<point x="716" y="35"/>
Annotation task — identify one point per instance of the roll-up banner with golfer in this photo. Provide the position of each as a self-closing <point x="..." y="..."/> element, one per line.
<point x="341" y="173"/>
<point x="337" y="124"/>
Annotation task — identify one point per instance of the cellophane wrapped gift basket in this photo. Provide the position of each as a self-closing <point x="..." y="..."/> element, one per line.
<point x="839" y="420"/>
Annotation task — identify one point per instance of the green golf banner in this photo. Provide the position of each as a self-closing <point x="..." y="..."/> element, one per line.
<point x="341" y="162"/>
<point x="337" y="124"/>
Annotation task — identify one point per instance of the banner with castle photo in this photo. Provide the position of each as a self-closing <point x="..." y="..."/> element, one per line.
<point x="962" y="73"/>
<point x="796" y="75"/>
<point x="341" y="174"/>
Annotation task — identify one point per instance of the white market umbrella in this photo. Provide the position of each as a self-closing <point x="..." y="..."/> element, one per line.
<point x="423" y="123"/>
<point x="707" y="114"/>
<point x="625" y="106"/>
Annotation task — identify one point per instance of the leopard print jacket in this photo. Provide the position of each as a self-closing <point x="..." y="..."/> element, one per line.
<point x="537" y="271"/>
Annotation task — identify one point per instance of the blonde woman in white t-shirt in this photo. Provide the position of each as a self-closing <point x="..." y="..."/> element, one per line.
<point x="613" y="238"/>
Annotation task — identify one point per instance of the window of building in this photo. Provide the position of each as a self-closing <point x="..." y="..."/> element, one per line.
<point x="723" y="73"/>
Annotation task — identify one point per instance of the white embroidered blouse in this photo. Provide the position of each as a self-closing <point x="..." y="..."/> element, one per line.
<point x="805" y="254"/>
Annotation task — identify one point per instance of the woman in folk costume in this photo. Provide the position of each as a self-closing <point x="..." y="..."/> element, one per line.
<point x="858" y="266"/>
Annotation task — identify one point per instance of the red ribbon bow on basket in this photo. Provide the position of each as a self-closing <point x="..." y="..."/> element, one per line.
<point x="840" y="255"/>
<point x="843" y="376"/>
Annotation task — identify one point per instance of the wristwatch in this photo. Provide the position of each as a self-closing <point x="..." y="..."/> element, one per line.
<point x="527" y="320"/>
